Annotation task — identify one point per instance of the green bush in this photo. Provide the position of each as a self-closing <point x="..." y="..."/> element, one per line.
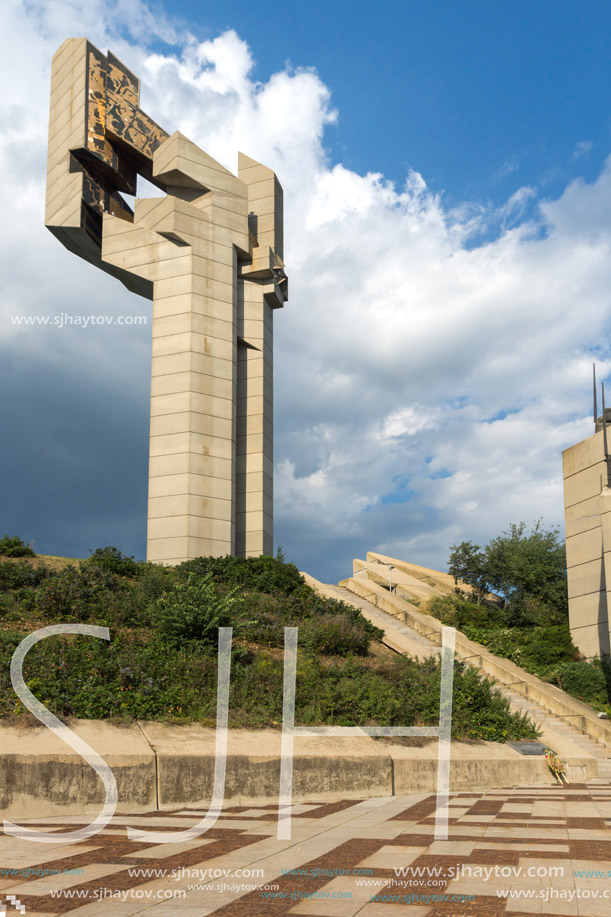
<point x="193" y="611"/>
<point x="325" y="625"/>
<point x="585" y="680"/>
<point x="348" y="695"/>
<point x="454" y="611"/>
<point x="549" y="646"/>
<point x="261" y="574"/>
<point x="20" y="574"/>
<point x="79" y="593"/>
<point x="13" y="546"/>
<point x="124" y="678"/>
<point x="334" y="635"/>
<point x="405" y="693"/>
<point x="112" y="560"/>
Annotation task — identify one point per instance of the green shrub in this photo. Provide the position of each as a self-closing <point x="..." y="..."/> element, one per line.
<point x="454" y="611"/>
<point x="20" y="574"/>
<point x="405" y="693"/>
<point x="261" y="574"/>
<point x="13" y="546"/>
<point x="479" y="710"/>
<point x="325" y="625"/>
<point x="193" y="611"/>
<point x="334" y="635"/>
<point x="347" y="695"/>
<point x="585" y="680"/>
<point x="549" y="646"/>
<point x="306" y="603"/>
<point x="112" y="560"/>
<point x="124" y="678"/>
<point x="79" y="593"/>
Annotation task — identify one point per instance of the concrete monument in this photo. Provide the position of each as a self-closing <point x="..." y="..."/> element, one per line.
<point x="208" y="252"/>
<point x="587" y="510"/>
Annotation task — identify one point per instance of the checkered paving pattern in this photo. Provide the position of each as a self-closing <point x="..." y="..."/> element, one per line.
<point x="345" y="854"/>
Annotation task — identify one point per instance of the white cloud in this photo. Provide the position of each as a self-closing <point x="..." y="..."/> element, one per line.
<point x="402" y="341"/>
<point x="582" y="148"/>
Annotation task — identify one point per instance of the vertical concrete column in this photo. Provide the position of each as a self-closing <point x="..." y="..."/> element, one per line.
<point x="254" y="442"/>
<point x="588" y="541"/>
<point x="258" y="294"/>
<point x="192" y="435"/>
<point x="67" y="131"/>
<point x="193" y="265"/>
<point x="604" y="628"/>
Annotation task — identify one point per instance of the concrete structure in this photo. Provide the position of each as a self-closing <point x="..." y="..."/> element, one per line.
<point x="587" y="508"/>
<point x="159" y="766"/>
<point x="410" y="629"/>
<point x="209" y="254"/>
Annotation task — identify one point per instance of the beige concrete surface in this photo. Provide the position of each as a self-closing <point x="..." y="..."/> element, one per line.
<point x="209" y="255"/>
<point x="38" y="771"/>
<point x="587" y="507"/>
<point x="159" y="766"/>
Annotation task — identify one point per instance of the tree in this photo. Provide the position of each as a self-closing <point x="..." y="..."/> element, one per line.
<point x="467" y="564"/>
<point x="526" y="565"/>
<point x="526" y="568"/>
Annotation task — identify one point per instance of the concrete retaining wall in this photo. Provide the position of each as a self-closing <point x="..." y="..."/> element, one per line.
<point x="167" y="767"/>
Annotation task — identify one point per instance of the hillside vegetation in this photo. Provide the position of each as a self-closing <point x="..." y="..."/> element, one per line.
<point x="527" y="569"/>
<point x="161" y="660"/>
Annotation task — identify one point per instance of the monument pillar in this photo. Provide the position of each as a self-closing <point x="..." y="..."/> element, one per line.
<point x="209" y="255"/>
<point x="587" y="512"/>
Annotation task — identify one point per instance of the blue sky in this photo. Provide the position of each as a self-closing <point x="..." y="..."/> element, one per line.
<point x="481" y="97"/>
<point x="448" y="243"/>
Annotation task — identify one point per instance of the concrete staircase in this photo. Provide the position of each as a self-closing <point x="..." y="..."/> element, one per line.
<point x="560" y="727"/>
<point x="422" y="645"/>
<point x="567" y="724"/>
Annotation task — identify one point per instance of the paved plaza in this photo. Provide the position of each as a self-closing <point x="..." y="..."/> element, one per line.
<point x="526" y="850"/>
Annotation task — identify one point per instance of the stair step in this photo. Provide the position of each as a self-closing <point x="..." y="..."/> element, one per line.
<point x="518" y="701"/>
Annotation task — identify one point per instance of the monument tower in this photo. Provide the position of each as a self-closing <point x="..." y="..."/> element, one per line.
<point x="587" y="512"/>
<point x="208" y="252"/>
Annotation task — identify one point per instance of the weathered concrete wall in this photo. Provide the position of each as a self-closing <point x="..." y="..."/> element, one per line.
<point x="166" y="767"/>
<point x="41" y="775"/>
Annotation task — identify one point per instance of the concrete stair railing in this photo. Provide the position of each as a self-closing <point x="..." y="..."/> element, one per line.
<point x="370" y="582"/>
